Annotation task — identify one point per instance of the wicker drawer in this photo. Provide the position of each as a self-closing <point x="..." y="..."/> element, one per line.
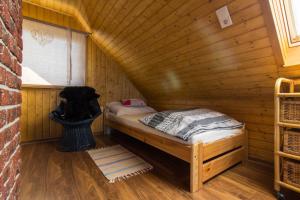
<point x="291" y="172"/>
<point x="291" y="141"/>
<point x="290" y="111"/>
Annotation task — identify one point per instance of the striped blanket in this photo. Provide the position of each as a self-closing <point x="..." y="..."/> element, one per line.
<point x="186" y="123"/>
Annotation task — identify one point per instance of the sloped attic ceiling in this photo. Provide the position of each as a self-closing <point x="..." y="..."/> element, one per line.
<point x="172" y="48"/>
<point x="178" y="56"/>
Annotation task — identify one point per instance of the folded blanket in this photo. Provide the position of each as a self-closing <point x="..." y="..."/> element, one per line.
<point x="186" y="123"/>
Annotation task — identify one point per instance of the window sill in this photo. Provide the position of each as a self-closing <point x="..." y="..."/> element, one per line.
<point x="42" y="86"/>
<point x="292" y="65"/>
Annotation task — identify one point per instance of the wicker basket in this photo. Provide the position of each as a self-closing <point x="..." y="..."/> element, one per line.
<point x="291" y="172"/>
<point x="291" y="141"/>
<point x="290" y="111"/>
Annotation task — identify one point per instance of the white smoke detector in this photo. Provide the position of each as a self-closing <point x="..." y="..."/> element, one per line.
<point x="224" y="17"/>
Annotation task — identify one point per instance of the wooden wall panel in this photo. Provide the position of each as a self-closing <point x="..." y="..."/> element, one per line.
<point x="176" y="53"/>
<point x="178" y="56"/>
<point x="50" y="16"/>
<point x="103" y="73"/>
<point x="36" y="106"/>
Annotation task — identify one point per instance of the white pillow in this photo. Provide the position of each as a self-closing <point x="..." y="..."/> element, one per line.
<point x="118" y="109"/>
<point x="133" y="103"/>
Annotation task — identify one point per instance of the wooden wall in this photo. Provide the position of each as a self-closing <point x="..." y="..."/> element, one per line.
<point x="102" y="73"/>
<point x="106" y="76"/>
<point x="50" y="16"/>
<point x="178" y="56"/>
<point x="37" y="103"/>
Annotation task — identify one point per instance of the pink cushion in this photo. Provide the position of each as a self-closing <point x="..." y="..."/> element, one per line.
<point x="133" y="102"/>
<point x="118" y="109"/>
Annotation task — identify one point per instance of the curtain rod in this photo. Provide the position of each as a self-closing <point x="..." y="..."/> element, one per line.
<point x="55" y="25"/>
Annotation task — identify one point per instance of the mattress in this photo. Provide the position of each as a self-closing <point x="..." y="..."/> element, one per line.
<point x="205" y="137"/>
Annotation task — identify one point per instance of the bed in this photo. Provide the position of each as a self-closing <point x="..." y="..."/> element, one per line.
<point x="209" y="153"/>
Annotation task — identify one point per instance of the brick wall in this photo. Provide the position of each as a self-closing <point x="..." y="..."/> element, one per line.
<point x="10" y="96"/>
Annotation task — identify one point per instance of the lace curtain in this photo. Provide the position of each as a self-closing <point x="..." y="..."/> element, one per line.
<point x="52" y="55"/>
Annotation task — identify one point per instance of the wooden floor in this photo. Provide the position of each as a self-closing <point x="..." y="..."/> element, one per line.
<point x="49" y="174"/>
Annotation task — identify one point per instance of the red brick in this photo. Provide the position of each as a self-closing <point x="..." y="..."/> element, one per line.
<point x="12" y="114"/>
<point x="5" y="57"/>
<point x="4" y="97"/>
<point x="4" y="35"/>
<point x="2" y="138"/>
<point x="18" y="69"/>
<point x="2" y="163"/>
<point x="2" y="118"/>
<point x="12" y="45"/>
<point x="13" y="81"/>
<point x="4" y="14"/>
<point x="19" y="41"/>
<point x="8" y="135"/>
<point x="13" y="65"/>
<point x="11" y="57"/>
<point x="15" y="98"/>
<point x="13" y="9"/>
<point x="9" y="97"/>
<point x="1" y="185"/>
<point x="19" y="55"/>
<point x="2" y="76"/>
<point x="11" y="132"/>
<point x="5" y="174"/>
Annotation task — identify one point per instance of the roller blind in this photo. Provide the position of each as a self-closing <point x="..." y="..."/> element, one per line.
<point x="52" y="55"/>
<point x="295" y="4"/>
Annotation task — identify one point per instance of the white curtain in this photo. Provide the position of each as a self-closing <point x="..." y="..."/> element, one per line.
<point x="78" y="59"/>
<point x="296" y="13"/>
<point x="46" y="58"/>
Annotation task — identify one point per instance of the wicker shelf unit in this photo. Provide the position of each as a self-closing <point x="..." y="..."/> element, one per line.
<point x="287" y="134"/>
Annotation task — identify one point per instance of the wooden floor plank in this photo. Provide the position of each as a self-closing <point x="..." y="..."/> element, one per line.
<point x="49" y="174"/>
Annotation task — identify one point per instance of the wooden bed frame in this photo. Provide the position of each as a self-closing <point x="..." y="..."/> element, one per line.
<point x="206" y="160"/>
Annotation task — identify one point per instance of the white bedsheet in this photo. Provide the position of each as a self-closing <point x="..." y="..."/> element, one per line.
<point x="205" y="137"/>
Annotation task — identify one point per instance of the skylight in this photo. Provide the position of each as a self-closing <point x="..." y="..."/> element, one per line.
<point x="292" y="8"/>
<point x="296" y="12"/>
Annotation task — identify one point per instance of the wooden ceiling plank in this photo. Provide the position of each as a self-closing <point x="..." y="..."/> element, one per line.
<point x="132" y="17"/>
<point x="173" y="20"/>
<point x="106" y="12"/>
<point x="261" y="80"/>
<point x="113" y="14"/>
<point x="88" y="6"/>
<point x="237" y="58"/>
<point x="192" y="58"/>
<point x="257" y="80"/>
<point x="198" y="37"/>
<point x="140" y="20"/>
<point x="145" y="16"/>
<point x="163" y="14"/>
<point x="155" y="19"/>
<point x="231" y="39"/>
<point x="96" y="12"/>
<point x="54" y="5"/>
<point x="108" y="34"/>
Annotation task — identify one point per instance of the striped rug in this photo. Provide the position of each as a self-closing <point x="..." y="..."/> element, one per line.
<point x="117" y="163"/>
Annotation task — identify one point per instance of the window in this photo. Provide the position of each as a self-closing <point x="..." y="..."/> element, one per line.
<point x="283" y="22"/>
<point x="52" y="55"/>
<point x="292" y="14"/>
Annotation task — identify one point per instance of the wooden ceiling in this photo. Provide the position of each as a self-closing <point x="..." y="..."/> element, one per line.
<point x="177" y="48"/>
<point x="177" y="55"/>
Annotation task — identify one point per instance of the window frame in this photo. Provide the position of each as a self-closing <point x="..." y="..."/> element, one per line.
<point x="293" y="38"/>
<point x="71" y="30"/>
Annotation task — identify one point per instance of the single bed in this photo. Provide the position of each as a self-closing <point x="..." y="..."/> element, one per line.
<point x="209" y="153"/>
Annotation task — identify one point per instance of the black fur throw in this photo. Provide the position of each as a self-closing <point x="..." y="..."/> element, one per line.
<point x="79" y="103"/>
